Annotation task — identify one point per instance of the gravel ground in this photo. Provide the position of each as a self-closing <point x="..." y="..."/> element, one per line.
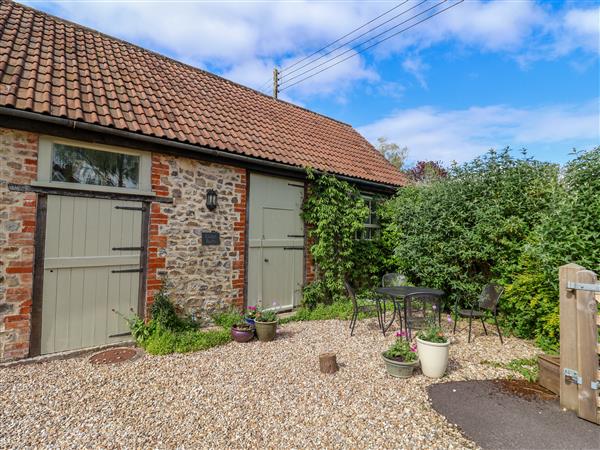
<point x="243" y="395"/>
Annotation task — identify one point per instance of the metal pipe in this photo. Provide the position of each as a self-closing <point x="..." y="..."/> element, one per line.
<point x="73" y="124"/>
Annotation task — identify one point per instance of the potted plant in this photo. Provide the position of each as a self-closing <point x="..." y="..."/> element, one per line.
<point x="265" y="322"/>
<point x="432" y="347"/>
<point x="250" y="315"/>
<point x="242" y="332"/>
<point x="401" y="358"/>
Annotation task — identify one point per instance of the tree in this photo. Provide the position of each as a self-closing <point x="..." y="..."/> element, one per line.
<point x="427" y="171"/>
<point x="392" y="152"/>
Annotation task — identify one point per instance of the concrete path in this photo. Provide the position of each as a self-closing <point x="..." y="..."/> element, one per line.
<point x="496" y="419"/>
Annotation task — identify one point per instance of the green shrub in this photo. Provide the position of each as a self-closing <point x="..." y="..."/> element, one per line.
<point x="163" y="341"/>
<point x="228" y="319"/>
<point x="570" y="232"/>
<point x="167" y="333"/>
<point x="163" y="312"/>
<point x="466" y="230"/>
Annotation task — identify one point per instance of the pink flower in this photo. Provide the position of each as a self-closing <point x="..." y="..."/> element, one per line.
<point x="400" y="334"/>
<point x="252" y="308"/>
<point x="413" y="348"/>
<point x="449" y="318"/>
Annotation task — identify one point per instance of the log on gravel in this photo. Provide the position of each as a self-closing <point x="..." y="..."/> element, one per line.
<point x="328" y="363"/>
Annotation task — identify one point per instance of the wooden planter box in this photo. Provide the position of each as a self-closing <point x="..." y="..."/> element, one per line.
<point x="549" y="372"/>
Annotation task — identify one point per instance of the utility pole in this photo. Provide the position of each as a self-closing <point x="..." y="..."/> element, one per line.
<point x="275" y="82"/>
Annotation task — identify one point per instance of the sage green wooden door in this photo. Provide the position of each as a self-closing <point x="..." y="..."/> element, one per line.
<point x="276" y="242"/>
<point x="91" y="266"/>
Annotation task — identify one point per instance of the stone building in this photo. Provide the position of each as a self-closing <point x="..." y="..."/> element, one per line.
<point x="119" y="166"/>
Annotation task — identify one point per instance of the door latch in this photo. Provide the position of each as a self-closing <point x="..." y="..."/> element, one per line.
<point x="572" y="376"/>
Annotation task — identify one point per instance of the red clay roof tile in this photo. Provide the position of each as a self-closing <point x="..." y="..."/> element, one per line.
<point x="51" y="66"/>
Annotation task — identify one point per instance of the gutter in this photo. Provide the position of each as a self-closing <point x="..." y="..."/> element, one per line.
<point x="224" y="155"/>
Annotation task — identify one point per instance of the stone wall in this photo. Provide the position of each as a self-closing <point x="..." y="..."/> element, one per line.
<point x="18" y="164"/>
<point x="202" y="278"/>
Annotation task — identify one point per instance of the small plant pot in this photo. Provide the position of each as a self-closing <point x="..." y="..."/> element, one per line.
<point x="433" y="357"/>
<point x="249" y="321"/>
<point x="399" y="369"/>
<point x="266" y="331"/>
<point x="241" y="335"/>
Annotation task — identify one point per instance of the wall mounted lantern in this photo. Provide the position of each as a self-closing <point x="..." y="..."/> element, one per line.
<point x="211" y="199"/>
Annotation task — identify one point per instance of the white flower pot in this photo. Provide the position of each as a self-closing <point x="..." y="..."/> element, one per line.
<point x="433" y="357"/>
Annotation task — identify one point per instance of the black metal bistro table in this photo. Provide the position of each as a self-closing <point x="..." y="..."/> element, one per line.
<point x="399" y="292"/>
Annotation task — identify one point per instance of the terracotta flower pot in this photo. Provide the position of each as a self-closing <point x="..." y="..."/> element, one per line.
<point x="241" y="335"/>
<point x="433" y="357"/>
<point x="265" y="331"/>
<point x="399" y="369"/>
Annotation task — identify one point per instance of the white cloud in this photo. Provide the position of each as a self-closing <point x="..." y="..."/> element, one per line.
<point x="243" y="40"/>
<point x="416" y="67"/>
<point x="434" y="134"/>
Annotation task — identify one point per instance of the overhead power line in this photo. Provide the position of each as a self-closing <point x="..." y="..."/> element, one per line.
<point x="345" y="36"/>
<point x="375" y="44"/>
<point x="356" y="47"/>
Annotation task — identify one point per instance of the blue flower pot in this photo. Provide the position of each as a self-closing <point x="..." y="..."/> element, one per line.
<point x="249" y="321"/>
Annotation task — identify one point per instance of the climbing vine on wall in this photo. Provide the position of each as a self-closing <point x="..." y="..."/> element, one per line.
<point x="334" y="212"/>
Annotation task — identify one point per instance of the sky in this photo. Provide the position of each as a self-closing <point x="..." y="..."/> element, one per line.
<point x="482" y="74"/>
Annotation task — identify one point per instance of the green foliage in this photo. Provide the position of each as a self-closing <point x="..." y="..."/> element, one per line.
<point x="500" y="219"/>
<point x="163" y="341"/>
<point x="167" y="333"/>
<point x="228" y="319"/>
<point x="527" y="367"/>
<point x="265" y="315"/>
<point x="468" y="229"/>
<point x="570" y="232"/>
<point x="432" y="332"/>
<point x="163" y="313"/>
<point x="401" y="350"/>
<point x="334" y="212"/>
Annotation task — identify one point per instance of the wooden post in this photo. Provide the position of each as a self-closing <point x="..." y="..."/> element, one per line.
<point x="328" y="363"/>
<point x="586" y="346"/>
<point x="568" y="335"/>
<point x="275" y="83"/>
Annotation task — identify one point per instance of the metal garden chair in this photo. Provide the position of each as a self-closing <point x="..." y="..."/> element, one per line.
<point x="394" y="279"/>
<point x="419" y="307"/>
<point x="488" y="301"/>
<point x="358" y="308"/>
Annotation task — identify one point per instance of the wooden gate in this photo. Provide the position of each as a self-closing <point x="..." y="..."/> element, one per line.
<point x="579" y="348"/>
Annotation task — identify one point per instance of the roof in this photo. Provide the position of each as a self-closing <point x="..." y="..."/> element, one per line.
<point x="54" y="67"/>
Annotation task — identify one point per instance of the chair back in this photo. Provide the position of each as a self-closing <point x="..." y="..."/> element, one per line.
<point x="350" y="291"/>
<point x="490" y="296"/>
<point x="420" y="307"/>
<point x="393" y="279"/>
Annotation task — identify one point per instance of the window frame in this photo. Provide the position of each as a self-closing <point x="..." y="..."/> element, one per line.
<point x="370" y="200"/>
<point x="44" y="167"/>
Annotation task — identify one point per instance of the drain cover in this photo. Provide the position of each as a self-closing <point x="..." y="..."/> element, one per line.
<point x="113" y="355"/>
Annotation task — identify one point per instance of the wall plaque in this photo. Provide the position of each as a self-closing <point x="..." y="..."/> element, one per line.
<point x="211" y="238"/>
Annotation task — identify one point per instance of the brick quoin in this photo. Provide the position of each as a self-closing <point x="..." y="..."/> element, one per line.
<point x="18" y="164"/>
<point x="238" y="280"/>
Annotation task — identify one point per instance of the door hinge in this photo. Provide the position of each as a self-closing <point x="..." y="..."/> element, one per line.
<point x="131" y="208"/>
<point x="592" y="287"/>
<point x="128" y="249"/>
<point x="126" y="270"/>
<point x="293" y="248"/>
<point x="572" y="376"/>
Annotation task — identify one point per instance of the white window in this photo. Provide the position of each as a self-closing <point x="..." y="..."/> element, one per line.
<point x="371" y="229"/>
<point x="70" y="164"/>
